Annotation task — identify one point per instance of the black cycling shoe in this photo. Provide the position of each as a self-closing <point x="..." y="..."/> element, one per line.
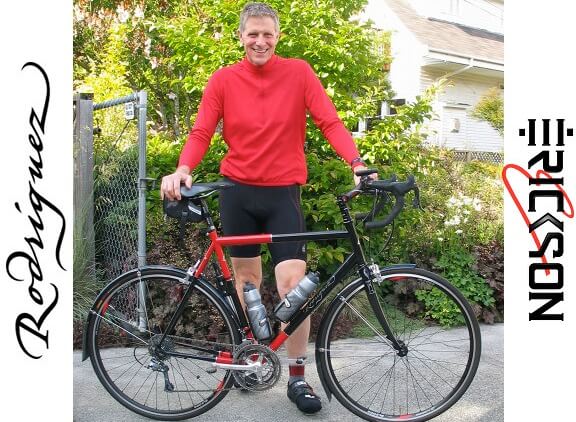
<point x="306" y="400"/>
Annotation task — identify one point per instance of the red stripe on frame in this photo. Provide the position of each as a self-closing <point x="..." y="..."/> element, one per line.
<point x="105" y="307"/>
<point x="224" y="357"/>
<point x="252" y="239"/>
<point x="277" y="342"/>
<point x="205" y="261"/>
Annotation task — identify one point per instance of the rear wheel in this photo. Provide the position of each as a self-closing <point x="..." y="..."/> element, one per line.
<point x="125" y="333"/>
<point x="438" y="354"/>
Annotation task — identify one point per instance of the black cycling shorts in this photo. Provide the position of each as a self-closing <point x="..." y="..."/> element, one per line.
<point x="249" y="209"/>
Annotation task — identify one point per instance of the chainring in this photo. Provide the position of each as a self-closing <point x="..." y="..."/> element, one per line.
<point x="263" y="377"/>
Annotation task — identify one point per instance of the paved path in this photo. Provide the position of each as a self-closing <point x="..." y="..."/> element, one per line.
<point x="483" y="402"/>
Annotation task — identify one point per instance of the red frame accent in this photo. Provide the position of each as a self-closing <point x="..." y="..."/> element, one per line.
<point x="220" y="386"/>
<point x="278" y="341"/>
<point x="251" y="239"/>
<point x="216" y="246"/>
<point x="105" y="307"/>
<point x="224" y="357"/>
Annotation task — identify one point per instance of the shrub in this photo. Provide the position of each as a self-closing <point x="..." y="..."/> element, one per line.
<point x="186" y="43"/>
<point x="490" y="108"/>
<point x="458" y="266"/>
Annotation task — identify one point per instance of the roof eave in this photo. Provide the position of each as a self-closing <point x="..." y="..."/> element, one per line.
<point x="439" y="55"/>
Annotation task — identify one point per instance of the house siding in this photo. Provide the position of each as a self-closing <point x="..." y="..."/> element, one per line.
<point x="457" y="102"/>
<point x="423" y="50"/>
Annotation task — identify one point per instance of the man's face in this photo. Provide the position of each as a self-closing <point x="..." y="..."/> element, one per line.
<point x="259" y="39"/>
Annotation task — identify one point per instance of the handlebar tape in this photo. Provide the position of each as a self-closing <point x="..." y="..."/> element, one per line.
<point x="393" y="213"/>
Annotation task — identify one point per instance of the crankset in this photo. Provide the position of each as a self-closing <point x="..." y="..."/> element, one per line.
<point x="263" y="367"/>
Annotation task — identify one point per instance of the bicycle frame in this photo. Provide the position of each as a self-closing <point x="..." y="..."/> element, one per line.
<point x="226" y="285"/>
<point x="182" y="340"/>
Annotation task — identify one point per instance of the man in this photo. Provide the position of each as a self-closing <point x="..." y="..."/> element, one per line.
<point x="263" y="101"/>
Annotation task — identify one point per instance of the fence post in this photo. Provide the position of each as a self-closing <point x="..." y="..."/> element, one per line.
<point x="84" y="176"/>
<point x="142" y="180"/>
<point x="142" y="188"/>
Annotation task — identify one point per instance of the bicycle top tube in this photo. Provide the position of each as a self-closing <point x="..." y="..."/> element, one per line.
<point x="218" y="242"/>
<point x="287" y="237"/>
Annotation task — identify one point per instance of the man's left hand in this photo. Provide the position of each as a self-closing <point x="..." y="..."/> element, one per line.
<point x="373" y="176"/>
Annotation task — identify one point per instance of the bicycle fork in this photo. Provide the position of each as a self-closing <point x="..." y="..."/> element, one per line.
<point x="369" y="273"/>
<point x="374" y="274"/>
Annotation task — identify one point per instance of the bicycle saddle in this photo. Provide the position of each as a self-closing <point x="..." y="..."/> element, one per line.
<point x="198" y="189"/>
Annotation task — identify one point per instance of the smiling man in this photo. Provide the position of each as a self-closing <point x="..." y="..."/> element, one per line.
<point x="263" y="102"/>
<point x="259" y="36"/>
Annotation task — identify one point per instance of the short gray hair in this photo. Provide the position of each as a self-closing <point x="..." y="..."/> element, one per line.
<point x="258" y="10"/>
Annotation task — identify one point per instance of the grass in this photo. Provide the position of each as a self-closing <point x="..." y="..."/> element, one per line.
<point x="86" y="284"/>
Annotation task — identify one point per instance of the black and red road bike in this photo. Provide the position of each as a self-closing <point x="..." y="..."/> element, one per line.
<point x="169" y="343"/>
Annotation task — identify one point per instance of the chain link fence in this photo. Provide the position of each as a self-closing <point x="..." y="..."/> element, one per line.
<point x="116" y="211"/>
<point x="111" y="182"/>
<point x="487" y="156"/>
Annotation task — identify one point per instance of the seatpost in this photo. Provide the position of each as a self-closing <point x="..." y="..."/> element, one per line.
<point x="207" y="215"/>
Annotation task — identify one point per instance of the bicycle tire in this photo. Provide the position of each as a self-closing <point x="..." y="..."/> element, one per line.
<point x="120" y="350"/>
<point x="369" y="377"/>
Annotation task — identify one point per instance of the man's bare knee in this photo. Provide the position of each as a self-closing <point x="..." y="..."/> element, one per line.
<point x="288" y="274"/>
<point x="247" y="270"/>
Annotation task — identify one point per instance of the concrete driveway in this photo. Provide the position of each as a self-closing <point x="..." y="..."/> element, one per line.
<point x="483" y="402"/>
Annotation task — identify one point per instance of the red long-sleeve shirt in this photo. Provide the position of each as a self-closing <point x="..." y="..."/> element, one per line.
<point x="264" y="115"/>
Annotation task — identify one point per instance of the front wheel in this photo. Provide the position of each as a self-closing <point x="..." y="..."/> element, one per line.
<point x="167" y="378"/>
<point x="428" y="369"/>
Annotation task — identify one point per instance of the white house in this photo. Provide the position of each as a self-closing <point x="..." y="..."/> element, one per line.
<point x="461" y="40"/>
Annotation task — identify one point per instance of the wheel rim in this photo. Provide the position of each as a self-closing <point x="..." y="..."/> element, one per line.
<point x="379" y="381"/>
<point x="130" y="363"/>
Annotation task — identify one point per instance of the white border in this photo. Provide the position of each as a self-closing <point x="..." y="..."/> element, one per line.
<point x="539" y="83"/>
<point x="41" y="32"/>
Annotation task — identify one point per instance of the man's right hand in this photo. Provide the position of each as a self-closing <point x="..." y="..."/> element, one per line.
<point x="170" y="187"/>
